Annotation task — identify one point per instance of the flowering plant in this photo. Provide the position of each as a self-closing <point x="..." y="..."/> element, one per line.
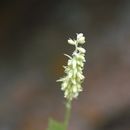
<point x="71" y="82"/>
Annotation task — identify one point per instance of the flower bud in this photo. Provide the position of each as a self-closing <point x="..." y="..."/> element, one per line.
<point x="70" y="41"/>
<point x="80" y="38"/>
<point x="80" y="49"/>
<point x="79" y="35"/>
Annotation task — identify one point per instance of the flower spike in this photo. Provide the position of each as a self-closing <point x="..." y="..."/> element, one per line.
<point x="71" y="82"/>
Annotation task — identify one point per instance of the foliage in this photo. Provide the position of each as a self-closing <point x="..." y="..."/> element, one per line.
<point x="55" y="125"/>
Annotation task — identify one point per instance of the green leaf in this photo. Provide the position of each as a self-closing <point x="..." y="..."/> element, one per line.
<point x="54" y="125"/>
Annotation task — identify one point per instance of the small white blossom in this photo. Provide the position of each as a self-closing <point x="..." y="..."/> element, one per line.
<point x="72" y="42"/>
<point x="79" y="35"/>
<point x="80" y="38"/>
<point x="71" y="83"/>
<point x="80" y="49"/>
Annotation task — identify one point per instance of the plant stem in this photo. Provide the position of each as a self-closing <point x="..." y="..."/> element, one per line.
<point x="67" y="114"/>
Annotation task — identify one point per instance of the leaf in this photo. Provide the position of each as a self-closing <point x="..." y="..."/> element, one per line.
<point x="54" y="125"/>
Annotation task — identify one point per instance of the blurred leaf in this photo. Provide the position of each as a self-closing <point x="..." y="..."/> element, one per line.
<point x="54" y="125"/>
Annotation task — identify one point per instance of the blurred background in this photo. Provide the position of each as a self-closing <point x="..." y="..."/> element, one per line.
<point x="33" y="39"/>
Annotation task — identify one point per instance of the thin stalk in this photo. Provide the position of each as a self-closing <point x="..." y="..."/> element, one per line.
<point x="67" y="114"/>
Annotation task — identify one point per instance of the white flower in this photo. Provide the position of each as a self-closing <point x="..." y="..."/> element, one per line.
<point x="80" y="49"/>
<point x="71" y="83"/>
<point x="70" y="41"/>
<point x="74" y="63"/>
<point x="79" y="35"/>
<point x="80" y="38"/>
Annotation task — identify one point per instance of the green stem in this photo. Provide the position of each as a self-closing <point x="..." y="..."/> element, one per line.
<point x="67" y="114"/>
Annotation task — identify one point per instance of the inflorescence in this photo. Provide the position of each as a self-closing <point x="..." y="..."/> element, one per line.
<point x="71" y="82"/>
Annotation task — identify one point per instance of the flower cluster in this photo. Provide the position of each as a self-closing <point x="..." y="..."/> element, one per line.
<point x="71" y="82"/>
